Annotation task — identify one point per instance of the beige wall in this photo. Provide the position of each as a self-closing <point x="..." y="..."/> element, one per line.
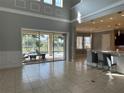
<point x="100" y="41"/>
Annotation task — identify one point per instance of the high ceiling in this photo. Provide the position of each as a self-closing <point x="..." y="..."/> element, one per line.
<point x="105" y="23"/>
<point x="87" y="7"/>
<point x="99" y="15"/>
<point x="90" y="6"/>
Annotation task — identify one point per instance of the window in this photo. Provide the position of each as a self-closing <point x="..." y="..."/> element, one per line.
<point x="87" y="42"/>
<point x="59" y="3"/>
<point x="79" y="42"/>
<point x="35" y="0"/>
<point x="83" y="42"/>
<point x="48" y="2"/>
<point x="38" y="0"/>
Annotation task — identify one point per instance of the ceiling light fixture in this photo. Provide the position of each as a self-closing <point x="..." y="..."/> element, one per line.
<point x="119" y="32"/>
<point x="111" y="18"/>
<point x="79" y="17"/>
<point x="93" y="22"/>
<point x="119" y="24"/>
<point x="101" y="21"/>
<point x="122" y="15"/>
<point x="109" y="25"/>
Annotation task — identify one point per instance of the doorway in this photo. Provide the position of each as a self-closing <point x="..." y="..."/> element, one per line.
<point x="43" y="46"/>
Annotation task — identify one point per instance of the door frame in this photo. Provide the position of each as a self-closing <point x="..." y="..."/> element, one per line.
<point x="66" y="40"/>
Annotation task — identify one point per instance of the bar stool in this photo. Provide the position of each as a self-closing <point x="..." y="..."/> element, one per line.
<point x="108" y="61"/>
<point x="100" y="59"/>
<point x="95" y="58"/>
<point x="111" y="65"/>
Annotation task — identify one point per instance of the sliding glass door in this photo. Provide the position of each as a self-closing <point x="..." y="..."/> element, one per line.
<point x="52" y="45"/>
<point x="59" y="47"/>
<point x="29" y="44"/>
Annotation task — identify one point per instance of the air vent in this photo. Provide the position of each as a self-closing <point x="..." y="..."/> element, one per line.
<point x="20" y="3"/>
<point x="35" y="6"/>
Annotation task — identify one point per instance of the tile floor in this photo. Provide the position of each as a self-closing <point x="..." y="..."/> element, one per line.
<point x="59" y="77"/>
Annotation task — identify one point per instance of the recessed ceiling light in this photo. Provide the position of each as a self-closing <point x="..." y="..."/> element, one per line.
<point x="101" y="20"/>
<point x="109" y="25"/>
<point x="122" y="15"/>
<point x="93" y="22"/>
<point x="111" y="18"/>
<point x="119" y="24"/>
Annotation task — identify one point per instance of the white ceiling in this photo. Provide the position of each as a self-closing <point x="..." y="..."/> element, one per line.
<point x="109" y="22"/>
<point x="86" y="7"/>
<point x="98" y="10"/>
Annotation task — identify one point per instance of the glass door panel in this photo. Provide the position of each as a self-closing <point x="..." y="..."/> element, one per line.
<point x="59" y="47"/>
<point x="29" y="44"/>
<point x="46" y="46"/>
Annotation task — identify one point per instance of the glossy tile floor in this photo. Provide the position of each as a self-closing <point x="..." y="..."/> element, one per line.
<point x="59" y="77"/>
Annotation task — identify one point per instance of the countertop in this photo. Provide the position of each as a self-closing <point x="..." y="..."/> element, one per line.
<point x="114" y="53"/>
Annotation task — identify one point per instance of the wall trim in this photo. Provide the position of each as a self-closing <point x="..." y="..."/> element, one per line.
<point x="101" y="10"/>
<point x="27" y="13"/>
<point x="42" y="30"/>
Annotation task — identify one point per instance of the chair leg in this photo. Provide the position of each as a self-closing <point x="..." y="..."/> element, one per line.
<point x="114" y="68"/>
<point x="110" y="69"/>
<point x="97" y="65"/>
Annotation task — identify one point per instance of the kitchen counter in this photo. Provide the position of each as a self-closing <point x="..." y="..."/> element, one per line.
<point x="117" y="57"/>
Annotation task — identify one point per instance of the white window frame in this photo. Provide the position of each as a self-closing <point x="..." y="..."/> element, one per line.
<point x="35" y="0"/>
<point x="61" y="5"/>
<point x="38" y="0"/>
<point x="50" y="3"/>
<point x="81" y="43"/>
